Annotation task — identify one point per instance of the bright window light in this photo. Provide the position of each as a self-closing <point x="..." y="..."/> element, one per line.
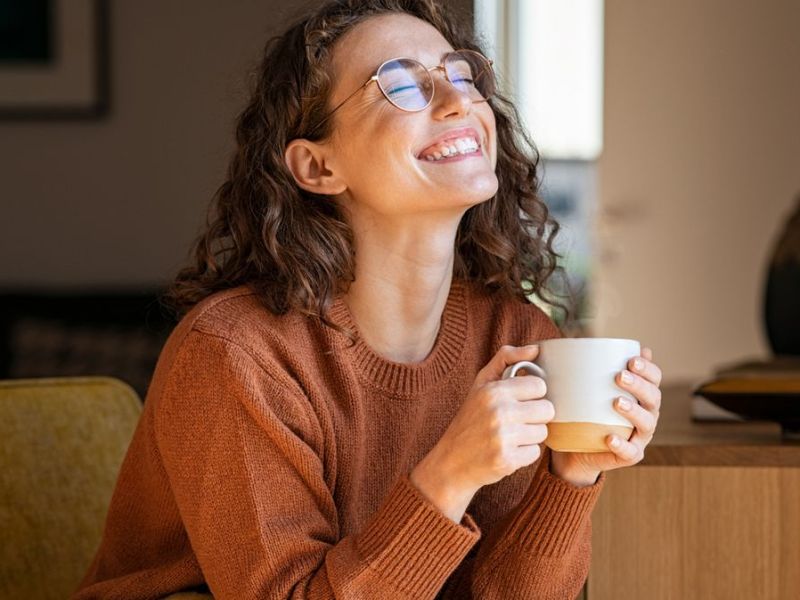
<point x="550" y="54"/>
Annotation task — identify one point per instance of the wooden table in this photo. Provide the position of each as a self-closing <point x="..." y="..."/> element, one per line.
<point x="713" y="511"/>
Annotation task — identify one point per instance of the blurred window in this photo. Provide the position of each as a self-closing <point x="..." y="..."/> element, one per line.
<point x="549" y="58"/>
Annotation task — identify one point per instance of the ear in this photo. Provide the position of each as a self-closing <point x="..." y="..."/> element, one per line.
<point x="307" y="161"/>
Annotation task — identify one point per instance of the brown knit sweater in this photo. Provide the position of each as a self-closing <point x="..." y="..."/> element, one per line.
<point x="272" y="461"/>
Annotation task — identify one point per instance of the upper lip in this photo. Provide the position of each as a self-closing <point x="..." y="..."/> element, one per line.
<point x="452" y="134"/>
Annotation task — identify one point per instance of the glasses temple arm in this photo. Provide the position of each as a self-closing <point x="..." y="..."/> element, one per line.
<point x="342" y="103"/>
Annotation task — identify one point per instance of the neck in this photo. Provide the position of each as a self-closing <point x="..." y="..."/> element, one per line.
<point x="401" y="285"/>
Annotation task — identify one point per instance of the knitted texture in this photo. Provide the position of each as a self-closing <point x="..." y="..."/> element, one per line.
<point x="273" y="455"/>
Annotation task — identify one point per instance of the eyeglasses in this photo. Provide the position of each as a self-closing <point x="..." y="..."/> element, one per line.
<point x="408" y="84"/>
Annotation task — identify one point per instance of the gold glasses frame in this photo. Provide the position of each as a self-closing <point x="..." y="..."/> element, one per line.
<point x="440" y="67"/>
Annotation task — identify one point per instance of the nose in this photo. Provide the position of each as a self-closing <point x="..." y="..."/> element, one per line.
<point x="448" y="101"/>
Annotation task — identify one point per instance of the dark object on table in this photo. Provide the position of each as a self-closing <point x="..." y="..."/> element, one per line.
<point x="760" y="391"/>
<point x="50" y="334"/>
<point x="782" y="295"/>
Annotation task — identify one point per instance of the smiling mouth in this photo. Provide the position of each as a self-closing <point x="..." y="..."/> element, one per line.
<point x="451" y="149"/>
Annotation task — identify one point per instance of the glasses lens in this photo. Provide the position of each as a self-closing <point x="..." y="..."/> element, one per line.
<point x="407" y="84"/>
<point x="472" y="73"/>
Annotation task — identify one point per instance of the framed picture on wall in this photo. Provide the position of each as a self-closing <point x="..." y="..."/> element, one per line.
<point x="53" y="59"/>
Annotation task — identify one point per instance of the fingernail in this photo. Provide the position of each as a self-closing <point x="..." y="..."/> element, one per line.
<point x="627" y="377"/>
<point x="623" y="404"/>
<point x="638" y="364"/>
<point x="615" y="442"/>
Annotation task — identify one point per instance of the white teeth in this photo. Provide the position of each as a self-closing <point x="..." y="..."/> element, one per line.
<point x="453" y="147"/>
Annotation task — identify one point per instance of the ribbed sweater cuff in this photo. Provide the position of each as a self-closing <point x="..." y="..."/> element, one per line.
<point x="412" y="543"/>
<point x="553" y="515"/>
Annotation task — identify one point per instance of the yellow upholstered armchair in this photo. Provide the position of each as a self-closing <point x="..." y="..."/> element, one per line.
<point x="62" y="442"/>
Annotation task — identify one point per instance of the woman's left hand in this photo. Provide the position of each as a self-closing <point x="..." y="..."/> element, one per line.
<point x="583" y="468"/>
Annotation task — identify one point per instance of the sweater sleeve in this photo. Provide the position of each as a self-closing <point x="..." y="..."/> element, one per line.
<point x="541" y="549"/>
<point x="243" y="458"/>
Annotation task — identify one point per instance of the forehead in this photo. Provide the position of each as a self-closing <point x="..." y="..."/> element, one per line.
<point x="362" y="49"/>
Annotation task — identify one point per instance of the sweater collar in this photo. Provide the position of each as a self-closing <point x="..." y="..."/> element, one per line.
<point x="408" y="379"/>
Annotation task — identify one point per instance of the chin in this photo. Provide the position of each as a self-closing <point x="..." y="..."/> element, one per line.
<point x="463" y="194"/>
<point x="481" y="189"/>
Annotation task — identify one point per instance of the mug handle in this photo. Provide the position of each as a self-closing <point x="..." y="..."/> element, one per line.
<point x="524" y="364"/>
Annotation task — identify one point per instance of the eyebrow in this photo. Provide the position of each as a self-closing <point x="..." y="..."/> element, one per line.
<point x="376" y="67"/>
<point x="394" y="67"/>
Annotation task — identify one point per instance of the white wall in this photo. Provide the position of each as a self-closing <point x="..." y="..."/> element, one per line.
<point x="700" y="166"/>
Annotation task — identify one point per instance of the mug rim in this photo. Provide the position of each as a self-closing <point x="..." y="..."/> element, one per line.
<point x="588" y="339"/>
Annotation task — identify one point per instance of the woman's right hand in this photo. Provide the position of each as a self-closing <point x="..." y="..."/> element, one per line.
<point x="497" y="430"/>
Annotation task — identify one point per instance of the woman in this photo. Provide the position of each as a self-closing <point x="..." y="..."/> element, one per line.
<point x="329" y="420"/>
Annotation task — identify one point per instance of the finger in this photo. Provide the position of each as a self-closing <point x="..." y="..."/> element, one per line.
<point x="527" y="434"/>
<point x="528" y="453"/>
<point x="645" y="368"/>
<point x="638" y="439"/>
<point x="535" y="411"/>
<point x="647" y="353"/>
<point x="505" y="356"/>
<point x="648" y="394"/>
<point x="628" y="452"/>
<point x="520" y="388"/>
<point x="643" y="420"/>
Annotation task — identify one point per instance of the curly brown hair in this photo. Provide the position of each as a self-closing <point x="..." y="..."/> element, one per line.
<point x="293" y="247"/>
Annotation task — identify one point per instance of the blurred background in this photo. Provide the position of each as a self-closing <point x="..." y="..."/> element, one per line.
<point x="669" y="131"/>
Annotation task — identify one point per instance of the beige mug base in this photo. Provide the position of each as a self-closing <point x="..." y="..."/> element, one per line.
<point x="583" y="437"/>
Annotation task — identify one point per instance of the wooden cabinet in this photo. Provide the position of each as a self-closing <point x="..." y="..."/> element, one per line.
<point x="712" y="512"/>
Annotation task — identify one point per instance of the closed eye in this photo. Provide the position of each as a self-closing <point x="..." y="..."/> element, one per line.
<point x="402" y="88"/>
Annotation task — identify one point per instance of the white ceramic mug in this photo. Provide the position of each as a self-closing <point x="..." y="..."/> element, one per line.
<point x="580" y="376"/>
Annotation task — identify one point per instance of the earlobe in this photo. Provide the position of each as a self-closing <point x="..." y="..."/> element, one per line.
<point x="306" y="162"/>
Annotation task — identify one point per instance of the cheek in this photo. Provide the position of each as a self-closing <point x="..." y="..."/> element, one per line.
<point x="380" y="164"/>
<point x="383" y="137"/>
<point x="491" y="128"/>
<point x="386" y="151"/>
